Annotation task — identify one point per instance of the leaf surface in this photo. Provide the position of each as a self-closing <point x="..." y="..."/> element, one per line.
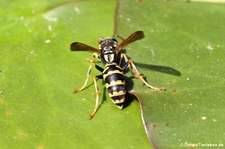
<point x="182" y="51"/>
<point x="38" y="73"/>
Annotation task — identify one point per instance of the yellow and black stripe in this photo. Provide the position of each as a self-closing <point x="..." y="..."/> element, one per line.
<point x="115" y="83"/>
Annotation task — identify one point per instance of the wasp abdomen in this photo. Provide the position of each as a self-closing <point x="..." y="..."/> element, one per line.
<point x="115" y="83"/>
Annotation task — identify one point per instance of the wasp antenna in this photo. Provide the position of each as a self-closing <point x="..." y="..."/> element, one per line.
<point x="121" y="38"/>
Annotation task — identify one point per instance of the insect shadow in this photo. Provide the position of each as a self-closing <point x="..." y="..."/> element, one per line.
<point x="162" y="69"/>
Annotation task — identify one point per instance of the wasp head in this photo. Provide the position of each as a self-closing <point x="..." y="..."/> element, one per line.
<point x="108" y="49"/>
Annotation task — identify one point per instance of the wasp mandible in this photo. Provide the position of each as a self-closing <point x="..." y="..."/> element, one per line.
<point x="116" y="62"/>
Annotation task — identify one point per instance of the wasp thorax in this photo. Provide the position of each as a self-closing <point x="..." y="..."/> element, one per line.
<point x="108" y="49"/>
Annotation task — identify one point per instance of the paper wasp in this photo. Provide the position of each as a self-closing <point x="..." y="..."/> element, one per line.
<point x="116" y="62"/>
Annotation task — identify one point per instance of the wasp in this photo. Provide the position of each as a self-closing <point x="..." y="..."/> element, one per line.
<point x="116" y="63"/>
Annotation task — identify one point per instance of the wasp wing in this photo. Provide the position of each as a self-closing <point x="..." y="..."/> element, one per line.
<point x="77" y="46"/>
<point x="132" y="38"/>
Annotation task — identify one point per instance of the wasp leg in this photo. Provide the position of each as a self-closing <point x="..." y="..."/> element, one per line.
<point x="137" y="75"/>
<point x="86" y="80"/>
<point x="91" y="61"/>
<point x="99" y="68"/>
<point x="97" y="95"/>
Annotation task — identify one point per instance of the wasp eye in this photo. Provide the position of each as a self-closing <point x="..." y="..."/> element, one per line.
<point x="99" y="40"/>
<point x="114" y="39"/>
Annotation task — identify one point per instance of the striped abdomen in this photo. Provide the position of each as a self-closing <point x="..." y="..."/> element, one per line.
<point x="115" y="83"/>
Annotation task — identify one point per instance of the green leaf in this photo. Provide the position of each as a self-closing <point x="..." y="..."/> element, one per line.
<point x="38" y="73"/>
<point x="183" y="51"/>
